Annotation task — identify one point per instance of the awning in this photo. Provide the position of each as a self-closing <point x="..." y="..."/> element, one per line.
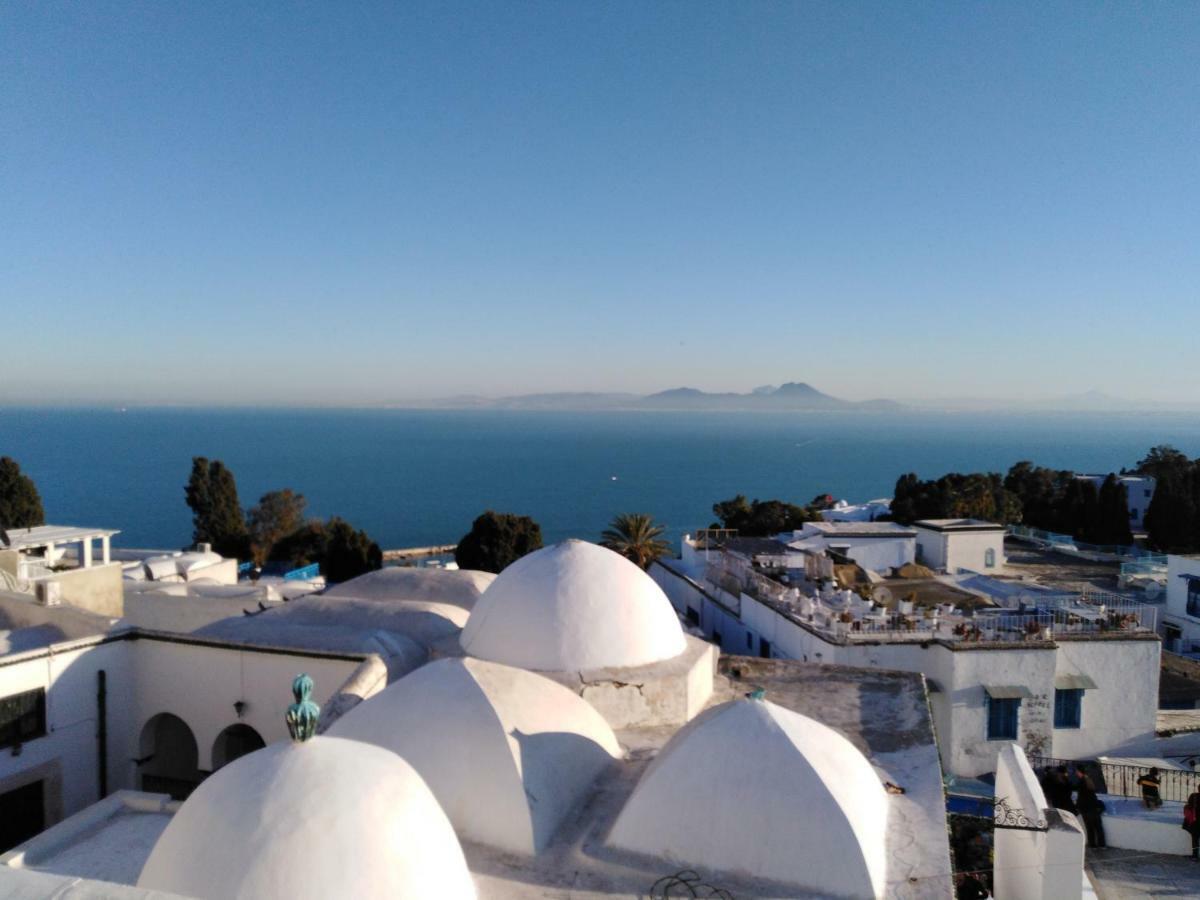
<point x="1073" y="683"/>
<point x="1008" y="692"/>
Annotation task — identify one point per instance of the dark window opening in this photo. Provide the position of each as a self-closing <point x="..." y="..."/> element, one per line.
<point x="764" y="648"/>
<point x="22" y="814"/>
<point x="22" y="717"/>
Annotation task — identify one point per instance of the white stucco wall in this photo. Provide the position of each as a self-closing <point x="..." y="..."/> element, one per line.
<point x="68" y="755"/>
<point x="200" y="683"/>
<point x="954" y="550"/>
<point x="1124" y="704"/>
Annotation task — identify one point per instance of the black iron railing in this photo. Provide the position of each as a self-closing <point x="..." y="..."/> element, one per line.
<point x="1122" y="780"/>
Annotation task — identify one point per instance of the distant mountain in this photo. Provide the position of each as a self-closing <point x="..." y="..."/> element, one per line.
<point x="791" y="396"/>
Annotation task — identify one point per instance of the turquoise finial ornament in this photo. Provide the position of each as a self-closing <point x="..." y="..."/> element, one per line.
<point x="302" y="715"/>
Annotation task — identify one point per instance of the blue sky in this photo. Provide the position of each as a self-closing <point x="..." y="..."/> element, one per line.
<point x="359" y="203"/>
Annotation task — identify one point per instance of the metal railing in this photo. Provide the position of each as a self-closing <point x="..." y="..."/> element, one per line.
<point x="1070" y="544"/>
<point x="1121" y="779"/>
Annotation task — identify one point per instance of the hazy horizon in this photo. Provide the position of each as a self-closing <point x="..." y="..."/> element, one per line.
<point x="226" y="205"/>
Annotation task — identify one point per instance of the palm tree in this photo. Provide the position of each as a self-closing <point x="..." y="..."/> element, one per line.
<point x="637" y="538"/>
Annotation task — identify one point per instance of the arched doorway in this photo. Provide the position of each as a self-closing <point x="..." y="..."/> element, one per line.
<point x="236" y="740"/>
<point x="168" y="760"/>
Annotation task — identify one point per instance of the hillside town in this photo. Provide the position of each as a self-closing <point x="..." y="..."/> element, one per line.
<point x="951" y="707"/>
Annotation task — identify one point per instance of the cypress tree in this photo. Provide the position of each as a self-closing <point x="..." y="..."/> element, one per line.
<point x="1112" y="519"/>
<point x="20" y="502"/>
<point x="217" y="517"/>
<point x="1171" y="517"/>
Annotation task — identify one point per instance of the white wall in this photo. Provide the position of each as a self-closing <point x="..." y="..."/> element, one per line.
<point x="1124" y="704"/>
<point x="954" y="550"/>
<point x="1035" y="865"/>
<point x="68" y="755"/>
<point x="146" y="676"/>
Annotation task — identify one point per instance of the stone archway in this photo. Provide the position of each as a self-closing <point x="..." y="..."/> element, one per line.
<point x="235" y="741"/>
<point x="168" y="759"/>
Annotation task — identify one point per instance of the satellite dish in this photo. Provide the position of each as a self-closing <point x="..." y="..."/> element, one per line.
<point x="1152" y="590"/>
<point x="1024" y="598"/>
<point x="881" y="595"/>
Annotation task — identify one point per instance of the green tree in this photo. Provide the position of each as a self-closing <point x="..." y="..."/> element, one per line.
<point x="303" y="547"/>
<point x="1111" y="525"/>
<point x="20" y="503"/>
<point x="216" y="514"/>
<point x="979" y="495"/>
<point x="497" y="540"/>
<point x="1163" y="461"/>
<point x="349" y="552"/>
<point x="637" y="538"/>
<point x="276" y="515"/>
<point x="1171" y="517"/>
<point x="760" y="518"/>
<point x="1079" y="509"/>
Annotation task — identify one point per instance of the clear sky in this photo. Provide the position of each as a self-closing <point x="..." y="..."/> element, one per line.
<point x="355" y="202"/>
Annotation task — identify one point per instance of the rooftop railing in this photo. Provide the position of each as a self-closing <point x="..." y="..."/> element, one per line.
<point x="846" y="617"/>
<point x="1121" y="779"/>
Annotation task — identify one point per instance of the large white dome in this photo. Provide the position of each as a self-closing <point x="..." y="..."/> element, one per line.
<point x="323" y="818"/>
<point x="752" y="788"/>
<point x="507" y="753"/>
<point x="573" y="606"/>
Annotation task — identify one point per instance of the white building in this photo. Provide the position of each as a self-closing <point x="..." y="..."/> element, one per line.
<point x="1071" y="680"/>
<point x="951" y="545"/>
<point x="1139" y="491"/>
<point x="1181" y="617"/>
<point x="876" y="546"/>
<point x="858" y="512"/>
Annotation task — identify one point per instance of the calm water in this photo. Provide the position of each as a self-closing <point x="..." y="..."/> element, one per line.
<point x="420" y="477"/>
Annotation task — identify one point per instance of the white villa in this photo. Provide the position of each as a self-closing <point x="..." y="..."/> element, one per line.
<point x="1139" y="491"/>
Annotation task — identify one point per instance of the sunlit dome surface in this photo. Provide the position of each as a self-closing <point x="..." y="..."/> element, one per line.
<point x="753" y="788"/>
<point x="458" y="587"/>
<point x="508" y="753"/>
<point x="320" y="819"/>
<point x="573" y="606"/>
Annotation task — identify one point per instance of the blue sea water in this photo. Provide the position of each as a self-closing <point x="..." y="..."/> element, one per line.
<point x="420" y="477"/>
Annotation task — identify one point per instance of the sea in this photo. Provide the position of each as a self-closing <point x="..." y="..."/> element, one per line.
<point x="419" y="477"/>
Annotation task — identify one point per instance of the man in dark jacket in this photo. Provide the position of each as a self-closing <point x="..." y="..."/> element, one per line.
<point x="1091" y="809"/>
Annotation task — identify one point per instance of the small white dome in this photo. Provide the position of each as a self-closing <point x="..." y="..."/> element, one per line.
<point x="458" y="587"/>
<point x="749" y="787"/>
<point x="319" y="819"/>
<point x="573" y="606"/>
<point x="506" y="752"/>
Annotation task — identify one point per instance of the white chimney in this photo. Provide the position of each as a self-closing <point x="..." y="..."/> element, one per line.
<point x="49" y="593"/>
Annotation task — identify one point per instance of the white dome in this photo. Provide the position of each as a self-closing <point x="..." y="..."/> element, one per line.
<point x="318" y="819"/>
<point x="752" y="788"/>
<point x="423" y="621"/>
<point x="506" y="752"/>
<point x="573" y="606"/>
<point x="458" y="587"/>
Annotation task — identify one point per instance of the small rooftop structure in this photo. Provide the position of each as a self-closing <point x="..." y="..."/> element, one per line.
<point x="957" y="525"/>
<point x="51" y="537"/>
<point x="859" y="529"/>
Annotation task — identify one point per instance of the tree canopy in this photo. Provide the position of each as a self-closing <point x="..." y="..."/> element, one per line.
<point x="276" y="515"/>
<point x="979" y="495"/>
<point x="216" y="514"/>
<point x="637" y="537"/>
<point x="760" y="518"/>
<point x="496" y="540"/>
<point x="20" y="502"/>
